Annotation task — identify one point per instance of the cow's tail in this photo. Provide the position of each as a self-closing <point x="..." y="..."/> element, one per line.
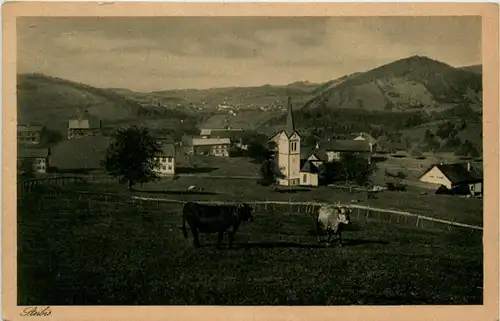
<point x="184" y="229"/>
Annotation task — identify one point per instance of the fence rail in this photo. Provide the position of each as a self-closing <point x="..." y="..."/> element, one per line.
<point x="29" y="184"/>
<point x="308" y="207"/>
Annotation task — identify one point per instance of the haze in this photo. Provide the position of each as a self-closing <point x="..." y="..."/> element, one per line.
<point x="148" y="54"/>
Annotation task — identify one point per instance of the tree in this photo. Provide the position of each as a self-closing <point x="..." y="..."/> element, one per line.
<point x="356" y="168"/>
<point x="49" y="137"/>
<point x="130" y="158"/>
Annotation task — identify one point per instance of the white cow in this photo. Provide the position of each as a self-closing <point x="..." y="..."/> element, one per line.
<point x="331" y="219"/>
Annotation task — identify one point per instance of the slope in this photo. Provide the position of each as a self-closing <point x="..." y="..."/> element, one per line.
<point x="414" y="83"/>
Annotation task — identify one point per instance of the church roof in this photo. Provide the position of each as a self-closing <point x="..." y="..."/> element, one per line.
<point x="290" y="123"/>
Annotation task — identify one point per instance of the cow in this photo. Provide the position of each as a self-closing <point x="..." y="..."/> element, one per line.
<point x="214" y="219"/>
<point x="331" y="219"/>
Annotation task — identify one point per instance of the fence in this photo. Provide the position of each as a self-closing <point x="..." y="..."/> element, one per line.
<point x="28" y="185"/>
<point x="361" y="212"/>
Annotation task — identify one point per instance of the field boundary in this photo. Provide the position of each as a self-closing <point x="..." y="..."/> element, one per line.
<point x="310" y="207"/>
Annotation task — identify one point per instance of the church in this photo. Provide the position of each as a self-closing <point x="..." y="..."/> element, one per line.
<point x="294" y="171"/>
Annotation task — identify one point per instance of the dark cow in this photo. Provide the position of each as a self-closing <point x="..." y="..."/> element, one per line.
<point x="214" y="219"/>
<point x="331" y="219"/>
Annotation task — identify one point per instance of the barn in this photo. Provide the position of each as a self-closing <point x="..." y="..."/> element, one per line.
<point x="458" y="178"/>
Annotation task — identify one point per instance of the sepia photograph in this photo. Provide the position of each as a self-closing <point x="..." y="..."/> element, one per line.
<point x="249" y="161"/>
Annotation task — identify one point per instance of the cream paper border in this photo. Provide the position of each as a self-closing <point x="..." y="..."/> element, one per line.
<point x="490" y="31"/>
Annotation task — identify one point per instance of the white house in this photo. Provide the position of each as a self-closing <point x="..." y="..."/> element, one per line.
<point x="165" y="160"/>
<point x="457" y="178"/>
<point x="84" y="125"/>
<point x="288" y="151"/>
<point x="309" y="173"/>
<point x="36" y="158"/>
<point x="208" y="146"/>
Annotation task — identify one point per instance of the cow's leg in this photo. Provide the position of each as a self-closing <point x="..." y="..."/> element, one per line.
<point x="231" y="238"/>
<point x="220" y="236"/>
<point x="329" y="237"/>
<point x="340" y="239"/>
<point x="196" y="239"/>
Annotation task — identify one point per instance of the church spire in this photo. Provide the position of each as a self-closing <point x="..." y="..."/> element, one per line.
<point x="290" y="124"/>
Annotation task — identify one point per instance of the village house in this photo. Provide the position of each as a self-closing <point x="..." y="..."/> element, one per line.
<point x="36" y="158"/>
<point x="165" y="160"/>
<point x="234" y="134"/>
<point x="334" y="149"/>
<point x="84" y="125"/>
<point x="309" y="172"/>
<point x="84" y="154"/>
<point x="372" y="142"/>
<point x="29" y="134"/>
<point x="456" y="178"/>
<point x="207" y="146"/>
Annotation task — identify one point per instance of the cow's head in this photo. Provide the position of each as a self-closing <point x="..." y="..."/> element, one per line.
<point x="245" y="212"/>
<point x="344" y="214"/>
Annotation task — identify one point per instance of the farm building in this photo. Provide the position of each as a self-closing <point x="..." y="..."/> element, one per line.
<point x="207" y="146"/>
<point x="369" y="138"/>
<point x="84" y="125"/>
<point x="288" y="147"/>
<point x="82" y="154"/>
<point x="36" y="158"/>
<point x="29" y="134"/>
<point x="234" y="134"/>
<point x="335" y="148"/>
<point x="456" y="178"/>
<point x="166" y="159"/>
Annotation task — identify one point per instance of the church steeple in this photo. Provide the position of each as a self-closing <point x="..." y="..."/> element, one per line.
<point x="290" y="124"/>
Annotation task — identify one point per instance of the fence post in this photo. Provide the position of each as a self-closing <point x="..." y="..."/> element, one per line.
<point x="418" y="221"/>
<point x="359" y="210"/>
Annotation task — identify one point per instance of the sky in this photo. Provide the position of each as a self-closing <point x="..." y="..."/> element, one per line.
<point x="160" y="53"/>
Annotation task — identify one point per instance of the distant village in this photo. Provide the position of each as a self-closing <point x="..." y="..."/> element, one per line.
<point x="299" y="165"/>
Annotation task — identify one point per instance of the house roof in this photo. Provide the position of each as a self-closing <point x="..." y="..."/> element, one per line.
<point x="195" y="141"/>
<point x="85" y="152"/>
<point x="167" y="149"/>
<point x="221" y="133"/>
<point x="29" y="127"/>
<point x="32" y="152"/>
<point x="309" y="167"/>
<point x="457" y="173"/>
<point x="346" y="146"/>
<point x="366" y="137"/>
<point x="84" y="120"/>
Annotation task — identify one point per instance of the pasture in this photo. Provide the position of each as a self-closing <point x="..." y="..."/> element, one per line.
<point x="88" y="251"/>
<point x="468" y="211"/>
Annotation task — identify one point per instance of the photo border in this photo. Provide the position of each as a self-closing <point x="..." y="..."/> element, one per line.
<point x="490" y="31"/>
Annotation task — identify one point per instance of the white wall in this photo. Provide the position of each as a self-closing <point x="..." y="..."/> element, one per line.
<point x="435" y="176"/>
<point x="308" y="179"/>
<point x="166" y="165"/>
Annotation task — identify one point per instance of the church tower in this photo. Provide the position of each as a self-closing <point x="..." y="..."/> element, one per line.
<point x="289" y="151"/>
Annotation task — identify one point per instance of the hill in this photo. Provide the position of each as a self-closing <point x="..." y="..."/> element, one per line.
<point x="265" y="97"/>
<point x="414" y="83"/>
<point x="51" y="101"/>
<point x="477" y="69"/>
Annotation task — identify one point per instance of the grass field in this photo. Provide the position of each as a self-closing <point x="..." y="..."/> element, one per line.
<point x="468" y="211"/>
<point x="85" y="252"/>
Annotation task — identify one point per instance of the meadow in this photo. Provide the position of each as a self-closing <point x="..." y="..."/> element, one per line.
<point x="77" y="250"/>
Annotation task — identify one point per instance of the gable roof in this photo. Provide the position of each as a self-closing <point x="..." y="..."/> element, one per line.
<point x="309" y="167"/>
<point x="457" y="173"/>
<point x="346" y="146"/>
<point x="167" y="150"/>
<point x="32" y="152"/>
<point x="85" y="152"/>
<point x="222" y="133"/>
<point x="196" y="141"/>
<point x="28" y="127"/>
<point x="366" y="137"/>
